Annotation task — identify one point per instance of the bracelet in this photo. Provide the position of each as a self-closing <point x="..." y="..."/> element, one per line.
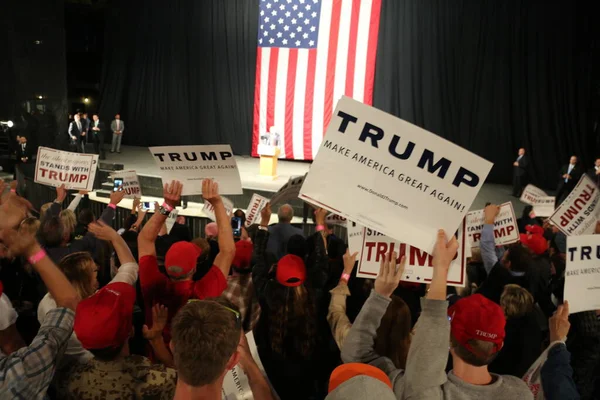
<point x="113" y="206"/>
<point x="345" y="277"/>
<point x="263" y="228"/>
<point x="167" y="207"/>
<point x="320" y="228"/>
<point x="37" y="257"/>
<point x="13" y="190"/>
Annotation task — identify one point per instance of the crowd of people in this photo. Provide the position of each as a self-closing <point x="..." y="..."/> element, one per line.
<point x="91" y="312"/>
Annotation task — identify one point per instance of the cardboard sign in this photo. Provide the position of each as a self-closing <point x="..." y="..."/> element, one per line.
<point x="74" y="170"/>
<point x="191" y="164"/>
<point x="334" y="219"/>
<point x="391" y="176"/>
<point x="506" y="230"/>
<point x="355" y="237"/>
<point x="418" y="267"/>
<point x="578" y="214"/>
<point x="236" y="385"/>
<point x="543" y="205"/>
<point x="582" y="274"/>
<point x="171" y="219"/>
<point x="289" y="191"/>
<point x="209" y="210"/>
<point x="131" y="183"/>
<point x="257" y="203"/>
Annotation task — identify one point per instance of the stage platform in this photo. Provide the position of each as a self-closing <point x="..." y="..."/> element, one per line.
<point x="140" y="159"/>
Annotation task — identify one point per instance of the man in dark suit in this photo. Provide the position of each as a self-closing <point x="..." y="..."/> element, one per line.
<point x="23" y="151"/>
<point x="569" y="176"/>
<point x="520" y="173"/>
<point x="594" y="172"/>
<point x="98" y="128"/>
<point x="77" y="134"/>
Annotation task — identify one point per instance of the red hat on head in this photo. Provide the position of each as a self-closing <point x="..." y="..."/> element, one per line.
<point x="105" y="319"/>
<point x="181" y="259"/>
<point x="535" y="229"/>
<point x="536" y="243"/>
<point x="477" y="318"/>
<point x="291" y="271"/>
<point x="243" y="254"/>
<point x="345" y="372"/>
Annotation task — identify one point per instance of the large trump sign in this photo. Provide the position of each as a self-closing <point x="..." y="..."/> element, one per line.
<point x="391" y="176"/>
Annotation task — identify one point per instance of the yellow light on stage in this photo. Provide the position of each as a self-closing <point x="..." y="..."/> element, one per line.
<point x="86" y="100"/>
<point x="40" y="97"/>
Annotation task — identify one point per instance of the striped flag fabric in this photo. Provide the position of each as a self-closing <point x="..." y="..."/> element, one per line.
<point x="310" y="53"/>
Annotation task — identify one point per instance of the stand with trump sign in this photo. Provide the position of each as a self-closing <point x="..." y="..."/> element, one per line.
<point x="74" y="170"/>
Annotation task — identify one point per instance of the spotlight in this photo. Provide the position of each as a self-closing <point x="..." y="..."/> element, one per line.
<point x="38" y="42"/>
<point x="86" y="100"/>
<point x="40" y="97"/>
<point x="10" y="124"/>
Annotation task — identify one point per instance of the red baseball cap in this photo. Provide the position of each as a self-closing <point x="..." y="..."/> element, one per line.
<point x="477" y="318"/>
<point x="345" y="372"/>
<point x="536" y="243"/>
<point x="181" y="259"/>
<point x="535" y="229"/>
<point x="243" y="254"/>
<point x="291" y="271"/>
<point x="104" y="320"/>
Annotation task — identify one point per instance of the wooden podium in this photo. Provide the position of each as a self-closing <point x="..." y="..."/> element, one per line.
<point x="268" y="160"/>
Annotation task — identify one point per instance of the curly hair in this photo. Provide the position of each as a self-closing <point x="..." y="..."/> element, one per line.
<point x="292" y="318"/>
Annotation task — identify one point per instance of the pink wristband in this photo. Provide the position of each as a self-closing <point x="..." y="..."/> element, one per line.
<point x="320" y="228"/>
<point x="345" y="277"/>
<point x="113" y="206"/>
<point x="37" y="257"/>
<point x="167" y="207"/>
<point x="13" y="190"/>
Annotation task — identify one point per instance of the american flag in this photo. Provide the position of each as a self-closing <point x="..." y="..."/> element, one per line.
<point x="310" y="53"/>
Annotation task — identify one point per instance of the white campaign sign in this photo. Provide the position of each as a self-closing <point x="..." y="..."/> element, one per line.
<point x="257" y="203"/>
<point x="191" y="164"/>
<point x="543" y="205"/>
<point x="506" y="230"/>
<point x="289" y="191"/>
<point x="577" y="215"/>
<point x="74" y="170"/>
<point x="391" y="176"/>
<point x="209" y="210"/>
<point x="582" y="274"/>
<point x="356" y="234"/>
<point x="171" y="219"/>
<point x="131" y="183"/>
<point x="418" y="266"/>
<point x="334" y="219"/>
<point x="236" y="385"/>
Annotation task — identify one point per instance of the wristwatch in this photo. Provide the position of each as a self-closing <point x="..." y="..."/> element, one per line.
<point x="164" y="211"/>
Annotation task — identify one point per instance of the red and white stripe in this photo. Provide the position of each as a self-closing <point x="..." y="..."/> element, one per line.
<point x="296" y="90"/>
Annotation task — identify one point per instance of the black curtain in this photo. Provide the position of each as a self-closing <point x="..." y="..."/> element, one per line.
<point x="181" y="72"/>
<point x="489" y="75"/>
<point x="493" y="76"/>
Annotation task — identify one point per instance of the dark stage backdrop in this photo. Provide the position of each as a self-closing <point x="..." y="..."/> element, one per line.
<point x="488" y="75"/>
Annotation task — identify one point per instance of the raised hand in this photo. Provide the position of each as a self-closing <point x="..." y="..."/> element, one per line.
<point x="490" y="213"/>
<point x="102" y="231"/>
<point x="172" y="193"/>
<point x="61" y="193"/>
<point x="18" y="244"/>
<point x="444" y="251"/>
<point x="160" y="315"/>
<point x="389" y="274"/>
<point x="136" y="203"/>
<point x="265" y="215"/>
<point x="117" y="197"/>
<point x="320" y="215"/>
<point x="210" y="191"/>
<point x="559" y="323"/>
<point x="12" y="211"/>
<point x="349" y="261"/>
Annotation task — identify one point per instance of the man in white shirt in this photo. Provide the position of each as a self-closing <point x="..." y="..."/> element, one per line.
<point x="117" y="127"/>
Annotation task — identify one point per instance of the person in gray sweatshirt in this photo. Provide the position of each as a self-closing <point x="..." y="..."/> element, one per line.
<point x="473" y="329"/>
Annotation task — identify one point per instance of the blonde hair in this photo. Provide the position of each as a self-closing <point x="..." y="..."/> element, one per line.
<point x="79" y="269"/>
<point x="516" y="301"/>
<point x="44" y="208"/>
<point x="68" y="220"/>
<point x="29" y="226"/>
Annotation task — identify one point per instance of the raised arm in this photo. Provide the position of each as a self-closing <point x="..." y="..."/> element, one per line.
<point x="318" y="262"/>
<point x="258" y="384"/>
<point x="148" y="235"/>
<point x="360" y="342"/>
<point x="428" y="353"/>
<point x="210" y="192"/>
<point x="337" y="318"/>
<point x="128" y="272"/>
<point x="76" y="200"/>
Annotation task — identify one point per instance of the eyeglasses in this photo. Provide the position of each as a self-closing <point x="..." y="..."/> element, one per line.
<point x="238" y="316"/>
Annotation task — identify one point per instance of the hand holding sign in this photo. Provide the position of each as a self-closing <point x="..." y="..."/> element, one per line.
<point x="116" y="197"/>
<point x="559" y="323"/>
<point x="444" y="252"/>
<point x="349" y="261"/>
<point x="61" y="193"/>
<point x="172" y="193"/>
<point x="265" y="215"/>
<point x="490" y="213"/>
<point x="389" y="274"/>
<point x="210" y="192"/>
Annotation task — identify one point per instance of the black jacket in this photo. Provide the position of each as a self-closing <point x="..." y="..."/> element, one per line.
<point x="24" y="153"/>
<point x="521" y="169"/>
<point x="575" y="175"/>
